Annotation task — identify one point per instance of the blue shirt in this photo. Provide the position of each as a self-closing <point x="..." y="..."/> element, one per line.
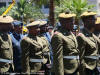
<point x="16" y="39"/>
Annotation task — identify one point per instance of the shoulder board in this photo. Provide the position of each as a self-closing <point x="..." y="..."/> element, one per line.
<point x="96" y="38"/>
<point x="56" y="32"/>
<point x="80" y="34"/>
<point x="25" y="38"/>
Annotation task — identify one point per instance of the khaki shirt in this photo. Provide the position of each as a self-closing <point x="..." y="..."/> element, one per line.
<point x="46" y="50"/>
<point x="98" y="46"/>
<point x="31" y="49"/>
<point x="88" y="47"/>
<point x="64" y="44"/>
<point x="6" y="51"/>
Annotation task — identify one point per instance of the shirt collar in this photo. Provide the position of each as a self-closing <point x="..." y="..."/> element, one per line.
<point x="87" y="32"/>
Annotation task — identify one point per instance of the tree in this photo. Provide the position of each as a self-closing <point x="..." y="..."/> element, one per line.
<point x="51" y="13"/>
<point x="74" y="6"/>
<point x="2" y="9"/>
<point x="25" y="11"/>
<point x="39" y="3"/>
<point x="51" y="8"/>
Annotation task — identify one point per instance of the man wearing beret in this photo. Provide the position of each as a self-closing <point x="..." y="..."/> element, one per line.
<point x="97" y="33"/>
<point x="16" y="37"/>
<point x="6" y="52"/>
<point x="65" y="47"/>
<point x="32" y="50"/>
<point x="97" y="27"/>
<point x="88" y="45"/>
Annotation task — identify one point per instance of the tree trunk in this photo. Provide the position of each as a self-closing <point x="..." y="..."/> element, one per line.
<point x="51" y="12"/>
<point x="77" y="21"/>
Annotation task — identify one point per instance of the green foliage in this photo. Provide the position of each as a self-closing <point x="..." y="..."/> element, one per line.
<point x="39" y="3"/>
<point x="74" y="6"/>
<point x="2" y="9"/>
<point x="25" y="11"/>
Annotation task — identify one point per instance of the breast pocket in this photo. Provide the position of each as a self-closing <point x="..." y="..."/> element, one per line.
<point x="5" y="46"/>
<point x="5" y="51"/>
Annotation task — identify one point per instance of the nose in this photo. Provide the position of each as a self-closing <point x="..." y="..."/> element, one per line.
<point x="38" y="29"/>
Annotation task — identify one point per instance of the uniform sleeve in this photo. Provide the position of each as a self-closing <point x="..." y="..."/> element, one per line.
<point x="25" y="56"/>
<point x="81" y="46"/>
<point x="11" y="47"/>
<point x="57" y="47"/>
<point x="45" y="46"/>
<point x="98" y="42"/>
<point x="47" y="50"/>
<point x="11" y="50"/>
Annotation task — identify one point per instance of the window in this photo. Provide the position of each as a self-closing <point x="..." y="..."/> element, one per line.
<point x="10" y="2"/>
<point x="2" y="4"/>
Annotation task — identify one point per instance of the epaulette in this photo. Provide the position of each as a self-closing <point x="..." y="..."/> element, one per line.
<point x="96" y="38"/>
<point x="80" y="34"/>
<point x="56" y="32"/>
<point x="25" y="38"/>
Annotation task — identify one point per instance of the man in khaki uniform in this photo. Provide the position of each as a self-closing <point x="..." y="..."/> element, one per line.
<point x="6" y="53"/>
<point x="46" y="45"/>
<point x="64" y="45"/>
<point x="88" y="45"/>
<point x="97" y="27"/>
<point x="32" y="50"/>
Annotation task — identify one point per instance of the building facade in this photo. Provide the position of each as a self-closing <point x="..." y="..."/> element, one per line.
<point x="6" y="2"/>
<point x="98" y="7"/>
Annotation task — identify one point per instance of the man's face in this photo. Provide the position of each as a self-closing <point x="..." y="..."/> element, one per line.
<point x="35" y="30"/>
<point x="50" y="30"/>
<point x="89" y="22"/>
<point x="43" y="29"/>
<point x="68" y="23"/>
<point x="97" y="27"/>
<point x="18" y="29"/>
<point x="6" y="27"/>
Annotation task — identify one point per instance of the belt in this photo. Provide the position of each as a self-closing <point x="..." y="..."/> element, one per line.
<point x="46" y="53"/>
<point x="36" y="60"/>
<point x="71" y="57"/>
<point x="98" y="56"/>
<point x="92" y="57"/>
<point x="6" y="60"/>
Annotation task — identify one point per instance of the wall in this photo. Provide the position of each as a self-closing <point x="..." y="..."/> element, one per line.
<point x="97" y="7"/>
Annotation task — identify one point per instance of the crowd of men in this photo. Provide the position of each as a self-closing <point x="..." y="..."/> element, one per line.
<point x="46" y="51"/>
